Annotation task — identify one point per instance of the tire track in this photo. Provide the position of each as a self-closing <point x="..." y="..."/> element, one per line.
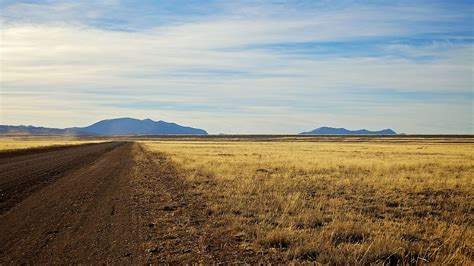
<point x="22" y="175"/>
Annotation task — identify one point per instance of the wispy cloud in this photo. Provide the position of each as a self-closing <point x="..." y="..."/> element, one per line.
<point x="270" y="67"/>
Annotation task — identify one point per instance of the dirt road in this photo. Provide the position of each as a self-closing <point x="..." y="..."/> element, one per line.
<point x="24" y="174"/>
<point x="104" y="203"/>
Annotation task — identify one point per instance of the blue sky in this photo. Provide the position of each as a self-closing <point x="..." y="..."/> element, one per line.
<point x="240" y="66"/>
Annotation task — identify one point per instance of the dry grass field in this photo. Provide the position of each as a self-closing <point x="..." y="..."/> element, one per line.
<point x="8" y="143"/>
<point x="223" y="199"/>
<point x="337" y="202"/>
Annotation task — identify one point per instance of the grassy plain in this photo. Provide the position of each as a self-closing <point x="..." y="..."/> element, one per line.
<point x="8" y="143"/>
<point x="337" y="202"/>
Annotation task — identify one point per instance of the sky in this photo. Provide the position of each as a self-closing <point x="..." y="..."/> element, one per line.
<point x="246" y="67"/>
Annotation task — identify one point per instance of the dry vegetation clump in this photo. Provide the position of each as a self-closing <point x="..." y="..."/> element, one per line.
<point x="338" y="202"/>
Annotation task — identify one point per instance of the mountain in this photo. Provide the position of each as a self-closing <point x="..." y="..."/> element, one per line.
<point x="343" y="131"/>
<point x="130" y="126"/>
<point x="119" y="126"/>
<point x="30" y="130"/>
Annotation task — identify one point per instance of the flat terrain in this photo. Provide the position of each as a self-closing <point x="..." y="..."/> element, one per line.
<point x="102" y="203"/>
<point x="239" y="199"/>
<point x="24" y="142"/>
<point x="351" y="201"/>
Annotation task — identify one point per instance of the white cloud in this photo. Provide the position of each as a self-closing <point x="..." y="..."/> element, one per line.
<point x="216" y="61"/>
<point x="64" y="57"/>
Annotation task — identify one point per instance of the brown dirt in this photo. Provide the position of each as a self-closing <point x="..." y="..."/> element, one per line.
<point x="23" y="173"/>
<point x="105" y="203"/>
<point x="27" y="151"/>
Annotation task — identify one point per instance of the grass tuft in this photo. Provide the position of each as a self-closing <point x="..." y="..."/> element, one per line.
<point x="278" y="238"/>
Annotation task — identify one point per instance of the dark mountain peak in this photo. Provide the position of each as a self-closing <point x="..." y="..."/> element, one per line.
<point x="132" y="126"/>
<point x="343" y="131"/>
<point x="388" y="131"/>
<point x="331" y="128"/>
<point x="119" y="119"/>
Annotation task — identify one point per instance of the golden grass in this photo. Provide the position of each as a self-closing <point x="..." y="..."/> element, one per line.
<point x="338" y="202"/>
<point x="15" y="143"/>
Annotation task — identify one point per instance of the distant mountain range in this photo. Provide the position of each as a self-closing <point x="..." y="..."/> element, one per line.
<point x="132" y="126"/>
<point x="118" y="126"/>
<point x="343" y="131"/>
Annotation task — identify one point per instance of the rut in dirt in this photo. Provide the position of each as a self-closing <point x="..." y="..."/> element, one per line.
<point x="106" y="203"/>
<point x="23" y="172"/>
